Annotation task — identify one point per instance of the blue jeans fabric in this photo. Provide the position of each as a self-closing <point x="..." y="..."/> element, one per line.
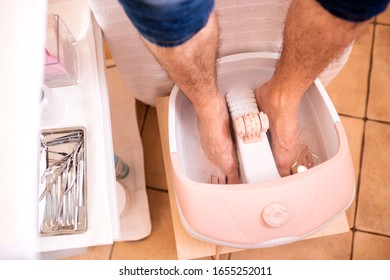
<point x="355" y="10"/>
<point x="170" y="23"/>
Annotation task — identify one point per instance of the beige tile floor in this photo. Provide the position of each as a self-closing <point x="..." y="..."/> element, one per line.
<point x="362" y="97"/>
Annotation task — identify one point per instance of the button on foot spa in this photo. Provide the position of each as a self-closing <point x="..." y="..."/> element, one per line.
<point x="265" y="209"/>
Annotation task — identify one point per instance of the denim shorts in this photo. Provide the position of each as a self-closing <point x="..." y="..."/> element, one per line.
<point x="170" y="23"/>
<point x="354" y="10"/>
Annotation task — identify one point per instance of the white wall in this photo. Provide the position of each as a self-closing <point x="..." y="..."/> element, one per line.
<point x="22" y="26"/>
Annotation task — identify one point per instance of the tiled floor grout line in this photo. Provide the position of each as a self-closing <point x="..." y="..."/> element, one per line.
<point x="363" y="141"/>
<point x="373" y="233"/>
<point x="111" y="251"/>
<point x="364" y="118"/>
<point x="350" y="116"/>
<point x="378" y="121"/>
<point x="144" y="120"/>
<point x="383" y="24"/>
<point x="370" y="69"/>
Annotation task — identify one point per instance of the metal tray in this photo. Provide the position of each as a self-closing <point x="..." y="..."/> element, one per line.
<point x="62" y="181"/>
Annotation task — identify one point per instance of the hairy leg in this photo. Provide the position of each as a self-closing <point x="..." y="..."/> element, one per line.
<point x="192" y="66"/>
<point x="312" y="39"/>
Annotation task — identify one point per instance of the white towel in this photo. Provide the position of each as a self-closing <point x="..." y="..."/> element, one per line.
<point x="247" y="25"/>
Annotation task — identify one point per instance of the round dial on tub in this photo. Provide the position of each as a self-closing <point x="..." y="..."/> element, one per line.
<point x="275" y="214"/>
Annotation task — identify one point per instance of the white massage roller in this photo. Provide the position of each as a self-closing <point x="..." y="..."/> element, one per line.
<point x="250" y="126"/>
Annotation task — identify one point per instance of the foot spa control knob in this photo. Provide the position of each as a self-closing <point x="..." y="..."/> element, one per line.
<point x="275" y="214"/>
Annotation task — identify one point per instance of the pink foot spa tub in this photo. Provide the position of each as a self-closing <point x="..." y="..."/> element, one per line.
<point x="265" y="209"/>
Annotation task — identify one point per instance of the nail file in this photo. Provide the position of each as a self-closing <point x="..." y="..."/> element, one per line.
<point x="255" y="157"/>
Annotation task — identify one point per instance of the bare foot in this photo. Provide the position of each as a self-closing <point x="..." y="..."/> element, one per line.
<point x="213" y="125"/>
<point x="284" y="128"/>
